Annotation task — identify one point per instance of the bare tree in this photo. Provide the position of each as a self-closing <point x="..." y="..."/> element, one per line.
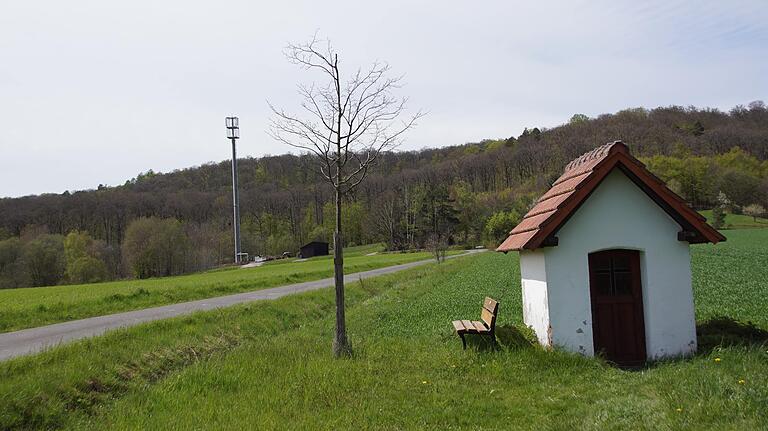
<point x="437" y="245"/>
<point x="386" y="215"/>
<point x="346" y="123"/>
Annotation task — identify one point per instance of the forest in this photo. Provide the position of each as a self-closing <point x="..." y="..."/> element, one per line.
<point x="159" y="224"/>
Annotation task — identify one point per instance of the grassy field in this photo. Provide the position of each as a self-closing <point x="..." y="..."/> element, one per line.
<point x="738" y="221"/>
<point x="267" y="365"/>
<point x="30" y="307"/>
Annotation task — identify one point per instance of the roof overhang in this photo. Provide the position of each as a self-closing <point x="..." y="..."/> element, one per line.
<point x="581" y="178"/>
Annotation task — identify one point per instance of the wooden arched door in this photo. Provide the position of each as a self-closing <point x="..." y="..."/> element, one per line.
<point x="616" y="291"/>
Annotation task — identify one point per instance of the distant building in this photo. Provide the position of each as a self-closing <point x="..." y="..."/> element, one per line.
<point x="605" y="261"/>
<point x="314" y="248"/>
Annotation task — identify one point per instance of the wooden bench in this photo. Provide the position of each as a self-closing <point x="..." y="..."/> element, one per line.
<point x="487" y="325"/>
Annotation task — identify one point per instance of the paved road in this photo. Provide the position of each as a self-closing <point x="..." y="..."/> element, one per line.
<point x="32" y="340"/>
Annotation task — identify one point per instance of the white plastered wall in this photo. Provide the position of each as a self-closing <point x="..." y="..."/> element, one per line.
<point x="534" y="284"/>
<point x="617" y="215"/>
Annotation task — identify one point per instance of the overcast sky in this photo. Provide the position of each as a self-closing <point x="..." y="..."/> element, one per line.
<point x="94" y="92"/>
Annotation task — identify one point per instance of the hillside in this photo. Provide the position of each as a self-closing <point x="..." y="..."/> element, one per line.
<point x="466" y="194"/>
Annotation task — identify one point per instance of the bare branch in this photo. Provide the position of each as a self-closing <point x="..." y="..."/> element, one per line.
<point x="348" y="124"/>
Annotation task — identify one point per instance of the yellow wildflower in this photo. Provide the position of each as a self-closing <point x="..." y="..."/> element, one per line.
<point x="741" y="381"/>
<point x="679" y="409"/>
<point x="717" y="359"/>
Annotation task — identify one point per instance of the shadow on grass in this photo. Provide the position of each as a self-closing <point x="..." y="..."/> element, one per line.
<point x="508" y="337"/>
<point x="719" y="332"/>
<point x="512" y="337"/>
<point x="724" y="331"/>
<point x="716" y="332"/>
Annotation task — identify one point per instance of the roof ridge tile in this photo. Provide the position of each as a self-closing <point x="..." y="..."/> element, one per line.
<point x="598" y="153"/>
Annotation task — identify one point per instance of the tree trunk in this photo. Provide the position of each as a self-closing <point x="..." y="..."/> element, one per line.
<point x="341" y="345"/>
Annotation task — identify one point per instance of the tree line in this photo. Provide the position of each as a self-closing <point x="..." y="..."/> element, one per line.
<point x="468" y="194"/>
<point x="153" y="247"/>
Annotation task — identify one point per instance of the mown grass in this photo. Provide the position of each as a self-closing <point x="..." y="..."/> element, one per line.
<point x="31" y="307"/>
<point x="267" y="365"/>
<point x="738" y="221"/>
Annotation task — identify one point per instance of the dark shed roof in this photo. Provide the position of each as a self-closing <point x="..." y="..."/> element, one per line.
<point x="314" y="248"/>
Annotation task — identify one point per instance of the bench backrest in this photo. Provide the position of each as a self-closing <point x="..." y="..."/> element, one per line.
<point x="490" y="310"/>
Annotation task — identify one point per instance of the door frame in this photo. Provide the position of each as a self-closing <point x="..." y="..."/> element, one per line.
<point x="639" y="329"/>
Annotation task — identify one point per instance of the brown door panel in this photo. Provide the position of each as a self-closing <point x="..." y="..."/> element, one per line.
<point x="617" y="306"/>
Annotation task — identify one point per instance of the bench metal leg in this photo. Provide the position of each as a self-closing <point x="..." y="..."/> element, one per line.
<point x="463" y="341"/>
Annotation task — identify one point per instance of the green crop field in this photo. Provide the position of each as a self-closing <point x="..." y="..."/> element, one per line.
<point x="267" y="365"/>
<point x="30" y="307"/>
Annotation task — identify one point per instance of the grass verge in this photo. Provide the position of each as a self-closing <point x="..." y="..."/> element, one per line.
<point x="31" y="307"/>
<point x="267" y="365"/>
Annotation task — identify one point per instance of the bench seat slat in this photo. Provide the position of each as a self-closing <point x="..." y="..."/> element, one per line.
<point x="470" y="327"/>
<point x="479" y="326"/>
<point x="458" y="326"/>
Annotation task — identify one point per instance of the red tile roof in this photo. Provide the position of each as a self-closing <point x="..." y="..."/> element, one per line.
<point x="580" y="178"/>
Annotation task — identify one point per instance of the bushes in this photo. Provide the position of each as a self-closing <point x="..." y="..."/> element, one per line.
<point x="86" y="269"/>
<point x="498" y="226"/>
<point x="43" y="260"/>
<point x="82" y="264"/>
<point x="155" y="247"/>
<point x="11" y="272"/>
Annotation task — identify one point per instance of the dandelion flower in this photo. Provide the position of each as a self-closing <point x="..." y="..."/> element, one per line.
<point x="741" y="381"/>
<point x="717" y="359"/>
<point x="423" y="382"/>
<point x="679" y="409"/>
